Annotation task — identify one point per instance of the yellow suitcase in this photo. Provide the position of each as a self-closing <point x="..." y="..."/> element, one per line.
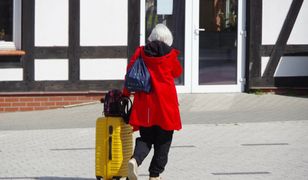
<point x="114" y="147"/>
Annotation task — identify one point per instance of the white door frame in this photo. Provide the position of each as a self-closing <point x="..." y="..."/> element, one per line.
<point x="191" y="66"/>
<point x="187" y="69"/>
<point x="142" y="23"/>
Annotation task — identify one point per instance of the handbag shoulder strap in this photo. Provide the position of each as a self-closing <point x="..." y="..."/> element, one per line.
<point x="140" y="52"/>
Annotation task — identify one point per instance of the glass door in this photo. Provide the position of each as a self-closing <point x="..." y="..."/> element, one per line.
<point x="210" y="35"/>
<point x="172" y="13"/>
<point x="218" y="46"/>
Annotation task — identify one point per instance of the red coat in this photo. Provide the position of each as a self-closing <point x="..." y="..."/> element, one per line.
<point x="159" y="107"/>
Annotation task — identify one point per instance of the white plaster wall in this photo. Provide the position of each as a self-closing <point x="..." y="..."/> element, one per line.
<point x="11" y="74"/>
<point x="273" y="16"/>
<point x="102" y="69"/>
<point x="264" y="62"/>
<point x="51" y="69"/>
<point x="51" y="22"/>
<point x="103" y="22"/>
<point x="288" y="66"/>
<point x="299" y="34"/>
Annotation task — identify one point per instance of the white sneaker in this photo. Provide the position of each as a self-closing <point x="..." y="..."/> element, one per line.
<point x="155" y="178"/>
<point x="132" y="169"/>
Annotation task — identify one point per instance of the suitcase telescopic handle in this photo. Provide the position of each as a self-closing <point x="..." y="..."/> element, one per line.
<point x="110" y="142"/>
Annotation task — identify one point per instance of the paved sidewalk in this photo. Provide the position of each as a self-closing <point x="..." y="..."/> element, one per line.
<point x="195" y="109"/>
<point x="244" y="151"/>
<point x="224" y="136"/>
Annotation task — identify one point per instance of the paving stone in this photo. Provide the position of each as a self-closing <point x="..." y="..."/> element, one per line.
<point x="224" y="136"/>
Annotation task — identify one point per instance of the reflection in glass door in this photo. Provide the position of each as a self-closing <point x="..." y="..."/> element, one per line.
<point x="174" y="21"/>
<point x="217" y="53"/>
<point x="218" y="42"/>
<point x="210" y="35"/>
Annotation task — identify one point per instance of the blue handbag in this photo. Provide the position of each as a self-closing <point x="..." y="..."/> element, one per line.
<point x="138" y="77"/>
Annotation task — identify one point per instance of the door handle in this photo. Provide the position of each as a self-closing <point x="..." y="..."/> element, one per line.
<point x="198" y="30"/>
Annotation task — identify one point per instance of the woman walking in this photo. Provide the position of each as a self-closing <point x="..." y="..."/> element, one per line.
<point x="155" y="114"/>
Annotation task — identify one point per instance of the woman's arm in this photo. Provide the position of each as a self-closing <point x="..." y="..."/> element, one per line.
<point x="176" y="66"/>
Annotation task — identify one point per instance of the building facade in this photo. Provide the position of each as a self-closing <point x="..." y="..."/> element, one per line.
<point x="55" y="53"/>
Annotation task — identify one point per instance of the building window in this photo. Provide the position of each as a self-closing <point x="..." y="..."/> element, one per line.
<point x="10" y="24"/>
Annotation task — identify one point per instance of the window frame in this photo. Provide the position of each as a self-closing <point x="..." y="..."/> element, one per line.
<point x="16" y="43"/>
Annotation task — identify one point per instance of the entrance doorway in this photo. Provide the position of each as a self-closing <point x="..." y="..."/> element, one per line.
<point x="211" y="37"/>
<point x="218" y="46"/>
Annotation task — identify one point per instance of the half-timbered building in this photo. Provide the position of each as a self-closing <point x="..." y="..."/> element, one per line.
<point x="55" y="53"/>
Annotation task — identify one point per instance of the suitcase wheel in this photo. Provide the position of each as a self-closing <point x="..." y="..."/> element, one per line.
<point x="116" y="178"/>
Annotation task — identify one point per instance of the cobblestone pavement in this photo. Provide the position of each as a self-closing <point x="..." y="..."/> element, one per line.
<point x="224" y="136"/>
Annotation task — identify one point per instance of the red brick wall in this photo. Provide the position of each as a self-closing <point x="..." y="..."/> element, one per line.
<point x="31" y="102"/>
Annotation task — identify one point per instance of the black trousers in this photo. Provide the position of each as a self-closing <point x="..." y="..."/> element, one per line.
<point x="161" y="140"/>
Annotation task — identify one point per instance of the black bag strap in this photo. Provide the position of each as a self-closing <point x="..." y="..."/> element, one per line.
<point x="126" y="108"/>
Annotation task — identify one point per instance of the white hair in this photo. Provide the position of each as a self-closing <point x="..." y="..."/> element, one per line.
<point x="161" y="33"/>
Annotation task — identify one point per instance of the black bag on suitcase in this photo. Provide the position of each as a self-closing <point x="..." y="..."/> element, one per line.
<point x="115" y="104"/>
